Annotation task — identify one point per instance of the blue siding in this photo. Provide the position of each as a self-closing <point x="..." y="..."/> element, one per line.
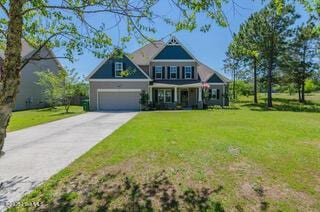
<point x="173" y="53"/>
<point x="106" y="71"/>
<point x="215" y="79"/>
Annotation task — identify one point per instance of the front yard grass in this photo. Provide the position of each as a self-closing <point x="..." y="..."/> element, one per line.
<point x="233" y="160"/>
<point x="29" y="118"/>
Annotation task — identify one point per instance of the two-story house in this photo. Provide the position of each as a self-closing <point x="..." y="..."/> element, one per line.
<point x="168" y="72"/>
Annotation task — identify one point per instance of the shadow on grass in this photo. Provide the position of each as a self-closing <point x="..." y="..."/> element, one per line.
<point x="119" y="192"/>
<point x="284" y="107"/>
<point x="62" y="114"/>
<point x="282" y="104"/>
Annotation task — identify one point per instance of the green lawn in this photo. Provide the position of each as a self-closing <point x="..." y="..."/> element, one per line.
<point x="28" y="118"/>
<point x="231" y="160"/>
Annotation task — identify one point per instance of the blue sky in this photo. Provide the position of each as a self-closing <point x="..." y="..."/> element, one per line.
<point x="208" y="47"/>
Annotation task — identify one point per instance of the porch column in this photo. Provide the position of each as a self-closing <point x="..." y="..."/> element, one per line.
<point x="223" y="94"/>
<point x="175" y="94"/>
<point x="150" y="94"/>
<point x="199" y="94"/>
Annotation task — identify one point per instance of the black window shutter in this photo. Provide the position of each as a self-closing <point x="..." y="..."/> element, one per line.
<point x="156" y="95"/>
<point x="192" y="72"/>
<point x="182" y="72"/>
<point x="178" y="72"/>
<point x="113" y="70"/>
<point x="154" y="72"/>
<point x="210" y="93"/>
<point x="168" y="72"/>
<point x="163" y="72"/>
<point x="172" y="95"/>
<point x="218" y="93"/>
<point x="124" y="66"/>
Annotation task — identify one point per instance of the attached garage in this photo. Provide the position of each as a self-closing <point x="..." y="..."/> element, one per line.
<point x="118" y="99"/>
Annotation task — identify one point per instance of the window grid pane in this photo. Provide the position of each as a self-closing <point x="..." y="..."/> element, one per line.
<point x="158" y="72"/>
<point x="188" y="72"/>
<point x="173" y="72"/>
<point x="118" y="69"/>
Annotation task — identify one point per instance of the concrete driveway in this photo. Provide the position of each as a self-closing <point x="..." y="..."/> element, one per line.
<point x="34" y="154"/>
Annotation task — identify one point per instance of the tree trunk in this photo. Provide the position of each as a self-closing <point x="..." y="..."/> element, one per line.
<point x="302" y="92"/>
<point x="270" y="82"/>
<point x="234" y="84"/>
<point x="303" y="73"/>
<point x="255" y="81"/>
<point x="10" y="77"/>
<point x="299" y="92"/>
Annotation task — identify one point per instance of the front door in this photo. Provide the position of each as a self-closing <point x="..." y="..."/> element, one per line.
<point x="184" y="98"/>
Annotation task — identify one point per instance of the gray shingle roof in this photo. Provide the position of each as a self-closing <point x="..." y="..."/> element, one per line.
<point x="143" y="55"/>
<point x="206" y="73"/>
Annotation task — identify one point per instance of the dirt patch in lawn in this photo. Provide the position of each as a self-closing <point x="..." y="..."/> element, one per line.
<point x="260" y="193"/>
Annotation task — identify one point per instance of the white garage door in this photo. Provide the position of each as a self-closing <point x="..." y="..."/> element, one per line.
<point x="119" y="100"/>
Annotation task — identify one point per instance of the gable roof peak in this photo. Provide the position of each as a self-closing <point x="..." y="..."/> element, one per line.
<point x="173" y="41"/>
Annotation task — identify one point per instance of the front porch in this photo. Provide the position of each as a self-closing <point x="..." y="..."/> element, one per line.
<point x="164" y="96"/>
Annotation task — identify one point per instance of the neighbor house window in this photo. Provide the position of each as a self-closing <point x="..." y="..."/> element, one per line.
<point x="173" y="72"/>
<point x="158" y="72"/>
<point x="214" y="93"/>
<point x="118" y="68"/>
<point x="164" y="96"/>
<point x="187" y="72"/>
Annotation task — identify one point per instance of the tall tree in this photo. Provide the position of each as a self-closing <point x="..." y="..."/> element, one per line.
<point x="66" y="24"/>
<point x="263" y="38"/>
<point x="301" y="58"/>
<point x="245" y="47"/>
<point x="232" y="65"/>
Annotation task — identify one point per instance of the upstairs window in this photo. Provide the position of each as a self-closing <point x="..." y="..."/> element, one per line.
<point x="158" y="72"/>
<point x="187" y="72"/>
<point x="118" y="68"/>
<point x="173" y="72"/>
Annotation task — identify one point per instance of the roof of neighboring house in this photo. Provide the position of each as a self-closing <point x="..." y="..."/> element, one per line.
<point x="143" y="55"/>
<point x="26" y="49"/>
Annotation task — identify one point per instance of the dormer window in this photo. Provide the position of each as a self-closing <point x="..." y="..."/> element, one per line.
<point x="187" y="72"/>
<point x="158" y="72"/>
<point x="173" y="72"/>
<point x="118" y="68"/>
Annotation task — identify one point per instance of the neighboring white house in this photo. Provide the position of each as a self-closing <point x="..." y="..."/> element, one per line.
<point x="29" y="93"/>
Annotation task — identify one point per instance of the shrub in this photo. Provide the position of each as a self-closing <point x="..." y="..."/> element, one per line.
<point x="215" y="107"/>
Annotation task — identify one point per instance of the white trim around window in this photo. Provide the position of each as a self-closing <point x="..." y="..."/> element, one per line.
<point x="173" y="72"/>
<point x="118" y="68"/>
<point x="158" y="70"/>
<point x="214" y="94"/>
<point x="163" y="94"/>
<point x="188" y="71"/>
